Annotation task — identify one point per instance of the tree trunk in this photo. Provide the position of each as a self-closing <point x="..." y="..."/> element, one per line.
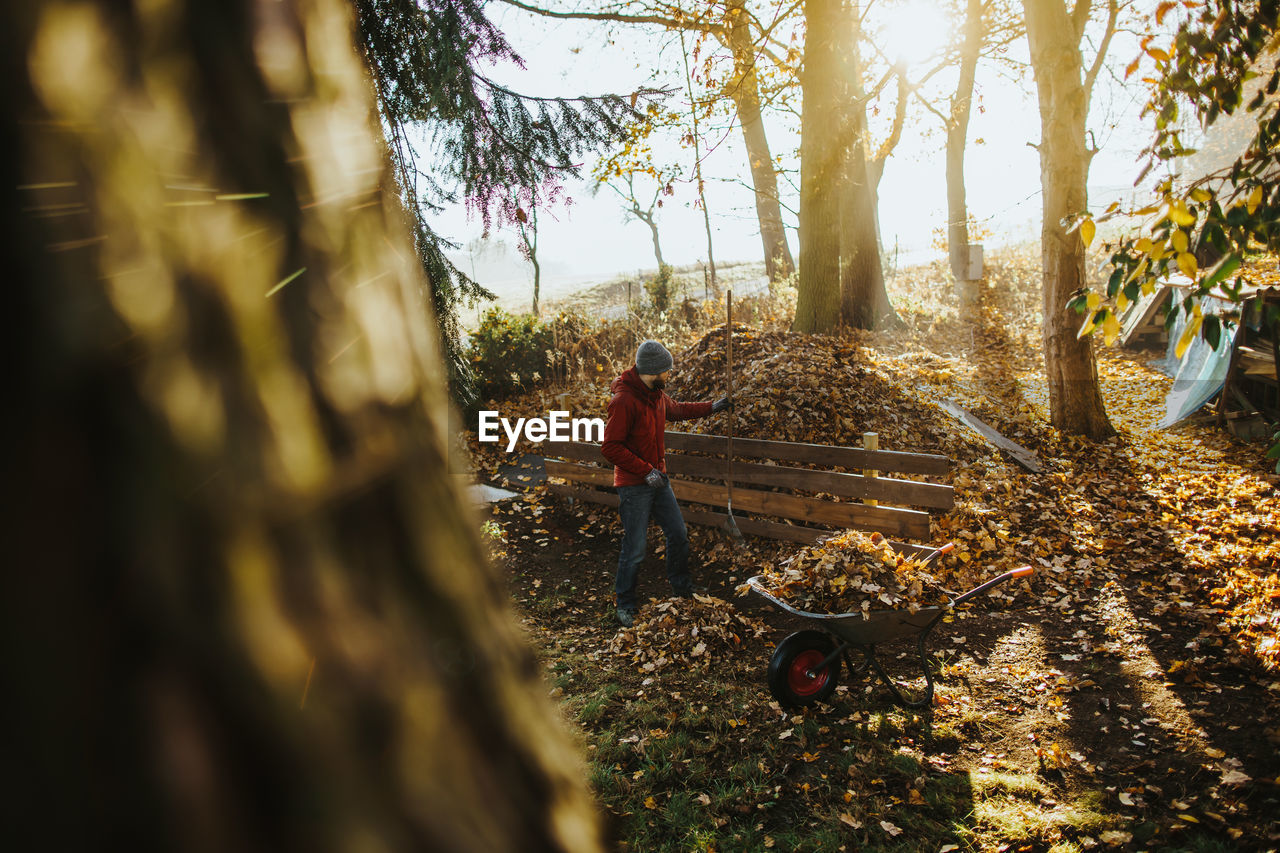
<point x="822" y="145"/>
<point x="537" y="283"/>
<point x="1075" y="400"/>
<point x="875" y="164"/>
<point x="247" y="608"/>
<point x="745" y="91"/>
<point x="863" y="300"/>
<point x="650" y="220"/>
<point x="957" y="140"/>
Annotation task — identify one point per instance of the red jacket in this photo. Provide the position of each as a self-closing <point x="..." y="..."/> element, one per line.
<point x="633" y="434"/>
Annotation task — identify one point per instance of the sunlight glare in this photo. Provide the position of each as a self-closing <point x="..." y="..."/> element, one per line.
<point x="913" y="32"/>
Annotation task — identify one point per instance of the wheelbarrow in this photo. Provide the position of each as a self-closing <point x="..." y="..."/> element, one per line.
<point x="805" y="667"/>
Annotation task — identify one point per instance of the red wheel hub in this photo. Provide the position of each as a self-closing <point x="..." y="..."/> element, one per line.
<point x="803" y="678"/>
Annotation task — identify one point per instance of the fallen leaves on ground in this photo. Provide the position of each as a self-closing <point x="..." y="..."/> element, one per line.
<point x="692" y="633"/>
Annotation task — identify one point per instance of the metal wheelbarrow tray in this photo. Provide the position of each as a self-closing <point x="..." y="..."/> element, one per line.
<point x="805" y="667"/>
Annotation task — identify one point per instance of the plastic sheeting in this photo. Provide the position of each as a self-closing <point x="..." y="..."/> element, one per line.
<point x="1198" y="377"/>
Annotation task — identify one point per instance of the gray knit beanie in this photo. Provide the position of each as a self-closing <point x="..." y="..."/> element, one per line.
<point x="652" y="358"/>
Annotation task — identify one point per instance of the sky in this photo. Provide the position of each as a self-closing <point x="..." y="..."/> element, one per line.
<point x="591" y="240"/>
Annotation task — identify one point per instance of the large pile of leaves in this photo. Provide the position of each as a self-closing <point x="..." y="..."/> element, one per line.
<point x="692" y="633"/>
<point x="819" y="389"/>
<point x="855" y="572"/>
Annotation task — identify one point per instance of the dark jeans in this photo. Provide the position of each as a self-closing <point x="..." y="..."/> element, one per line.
<point x="638" y="504"/>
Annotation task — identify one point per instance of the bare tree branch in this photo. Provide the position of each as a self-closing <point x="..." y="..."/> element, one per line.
<point x="1113" y="13"/>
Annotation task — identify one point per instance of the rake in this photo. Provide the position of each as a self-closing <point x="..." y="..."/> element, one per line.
<point x="730" y="524"/>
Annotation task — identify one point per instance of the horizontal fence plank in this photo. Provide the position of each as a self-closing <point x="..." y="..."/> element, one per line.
<point x="593" y="495"/>
<point x="581" y="451"/>
<point x="757" y="526"/>
<point x="749" y="526"/>
<point x="884" y="489"/>
<point x="593" y="474"/>
<point x="885" y="461"/>
<point x="907" y="523"/>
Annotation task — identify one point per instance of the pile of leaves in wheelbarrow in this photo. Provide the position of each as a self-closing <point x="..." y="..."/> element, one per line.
<point x="691" y="632"/>
<point x="855" y="571"/>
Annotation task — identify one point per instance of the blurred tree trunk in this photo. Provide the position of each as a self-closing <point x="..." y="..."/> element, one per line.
<point x="1054" y="34"/>
<point x="745" y="91"/>
<point x="957" y="140"/>
<point x="246" y="607"/>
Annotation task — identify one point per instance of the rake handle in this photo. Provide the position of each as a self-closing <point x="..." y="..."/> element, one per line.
<point x="728" y="381"/>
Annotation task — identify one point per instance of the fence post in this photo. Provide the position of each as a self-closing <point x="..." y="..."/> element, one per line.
<point x="871" y="441"/>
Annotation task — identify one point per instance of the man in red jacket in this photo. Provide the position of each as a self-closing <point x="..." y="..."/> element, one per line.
<point x="633" y="442"/>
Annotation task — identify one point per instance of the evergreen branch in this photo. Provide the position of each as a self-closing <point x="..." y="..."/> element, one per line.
<point x="669" y="23"/>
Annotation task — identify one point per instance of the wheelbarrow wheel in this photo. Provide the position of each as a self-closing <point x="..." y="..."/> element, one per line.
<point x="793" y="678"/>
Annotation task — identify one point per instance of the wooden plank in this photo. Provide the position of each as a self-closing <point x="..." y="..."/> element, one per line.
<point x="597" y="476"/>
<point x="593" y="495"/>
<point x="907" y="523"/>
<point x="756" y="526"/>
<point x="819" y="454"/>
<point x="886" y="489"/>
<point x="1020" y="454"/>
<point x="581" y="451"/>
<point x="1140" y="319"/>
<point x="749" y="526"/>
<point x="828" y="456"/>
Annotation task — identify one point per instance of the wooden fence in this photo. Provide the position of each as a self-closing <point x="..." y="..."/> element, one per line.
<point x="767" y="482"/>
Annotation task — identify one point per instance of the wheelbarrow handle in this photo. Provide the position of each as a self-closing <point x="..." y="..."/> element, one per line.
<point x="938" y="552"/>
<point x="1020" y="572"/>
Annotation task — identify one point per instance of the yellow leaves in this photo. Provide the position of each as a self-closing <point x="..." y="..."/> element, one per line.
<point x="1179" y="240"/>
<point x="650" y="802"/>
<point x="1111" y="328"/>
<point x="1137" y="271"/>
<point x="1179" y="215"/>
<point x="1187" y="263"/>
<point x="1255" y="199"/>
<point x="1090" y="323"/>
<point x="1087" y="230"/>
<point x="1164" y="9"/>
<point x="1190" y="332"/>
<point x="1093" y="300"/>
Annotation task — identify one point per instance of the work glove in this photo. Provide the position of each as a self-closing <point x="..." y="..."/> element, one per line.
<point x="720" y="405"/>
<point x="655" y="479"/>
